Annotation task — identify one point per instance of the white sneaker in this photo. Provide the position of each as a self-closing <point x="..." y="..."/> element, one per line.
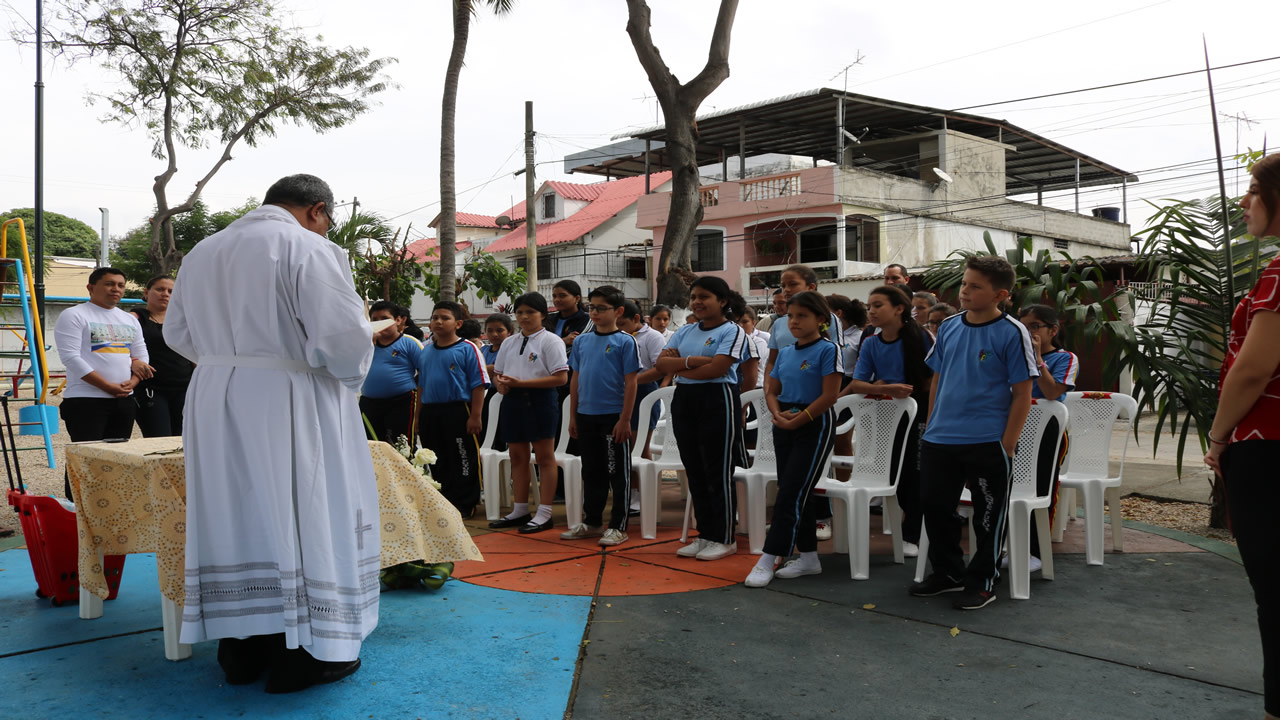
<point x="1035" y="563"/>
<point x="694" y="547"/>
<point x="759" y="577"/>
<point x="824" y="529"/>
<point x="910" y="549"/>
<point x="613" y="536"/>
<point x="795" y="568"/>
<point x="715" y="550"/>
<point x="580" y="532"/>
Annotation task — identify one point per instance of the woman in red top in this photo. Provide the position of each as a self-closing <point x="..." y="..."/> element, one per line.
<point x="1245" y="437"/>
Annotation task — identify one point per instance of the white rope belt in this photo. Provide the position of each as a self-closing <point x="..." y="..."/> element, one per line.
<point x="260" y="362"/>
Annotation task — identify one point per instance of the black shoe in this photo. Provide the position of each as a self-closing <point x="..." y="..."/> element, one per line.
<point x="936" y="584"/>
<point x="534" y="527"/>
<point x="511" y="522"/>
<point x="296" y="670"/>
<point x="244" y="661"/>
<point x="973" y="600"/>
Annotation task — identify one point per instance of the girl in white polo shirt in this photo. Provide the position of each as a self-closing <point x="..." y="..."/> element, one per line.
<point x="527" y="372"/>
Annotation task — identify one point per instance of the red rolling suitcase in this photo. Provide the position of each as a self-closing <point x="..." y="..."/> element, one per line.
<point x="50" y="533"/>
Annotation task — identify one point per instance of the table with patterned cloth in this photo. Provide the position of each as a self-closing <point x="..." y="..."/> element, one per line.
<point x="131" y="498"/>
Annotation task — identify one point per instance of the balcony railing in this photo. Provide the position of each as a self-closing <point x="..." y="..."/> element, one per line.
<point x="710" y="196"/>
<point x="774" y="186"/>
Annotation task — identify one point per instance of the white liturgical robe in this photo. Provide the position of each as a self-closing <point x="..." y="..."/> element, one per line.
<point x="282" y="505"/>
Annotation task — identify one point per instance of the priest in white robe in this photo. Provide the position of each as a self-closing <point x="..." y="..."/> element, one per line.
<point x="282" y="505"/>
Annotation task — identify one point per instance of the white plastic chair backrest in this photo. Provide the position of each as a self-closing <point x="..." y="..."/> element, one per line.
<point x="878" y="419"/>
<point x="562" y="447"/>
<point x="491" y="432"/>
<point x="1093" y="419"/>
<point x="842" y="404"/>
<point x="765" y="460"/>
<point x="1045" y="422"/>
<point x="662" y="395"/>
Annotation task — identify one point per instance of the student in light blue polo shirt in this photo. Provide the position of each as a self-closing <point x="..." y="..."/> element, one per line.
<point x="801" y="393"/>
<point x="892" y="362"/>
<point x="387" y="397"/>
<point x="452" y="381"/>
<point x="602" y="392"/>
<point x="706" y="415"/>
<point x="984" y="365"/>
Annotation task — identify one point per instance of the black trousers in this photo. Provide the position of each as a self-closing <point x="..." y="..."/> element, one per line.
<point x="90" y="418"/>
<point x="802" y="455"/>
<point x="945" y="470"/>
<point x="390" y="417"/>
<point x="707" y="421"/>
<point x="606" y="465"/>
<point x="498" y="443"/>
<point x="160" y="410"/>
<point x="908" y="493"/>
<point x="1253" y="494"/>
<point x="442" y="427"/>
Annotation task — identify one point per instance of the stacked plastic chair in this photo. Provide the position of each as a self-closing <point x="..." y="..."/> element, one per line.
<point x="1094" y="416"/>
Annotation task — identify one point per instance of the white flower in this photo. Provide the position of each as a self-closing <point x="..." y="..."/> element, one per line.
<point x="424" y="456"/>
<point x="434" y="483"/>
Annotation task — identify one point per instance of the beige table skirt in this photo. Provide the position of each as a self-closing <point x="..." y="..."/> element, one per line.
<point x="131" y="498"/>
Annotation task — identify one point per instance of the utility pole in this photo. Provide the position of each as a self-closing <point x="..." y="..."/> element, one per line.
<point x="530" y="223"/>
<point x="106" y="217"/>
<point x="39" y="261"/>
<point x="355" y="205"/>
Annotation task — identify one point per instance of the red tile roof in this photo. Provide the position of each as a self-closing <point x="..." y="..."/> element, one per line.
<point x="577" y="191"/>
<point x="418" y="248"/>
<point x="610" y="198"/>
<point x="465" y="219"/>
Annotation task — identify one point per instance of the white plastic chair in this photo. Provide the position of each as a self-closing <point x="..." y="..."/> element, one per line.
<point x="965" y="510"/>
<point x="871" y="475"/>
<point x="763" y="471"/>
<point x="1044" y="423"/>
<point x="572" y="467"/>
<point x="1094" y="416"/>
<point x="650" y="471"/>
<point x="492" y="463"/>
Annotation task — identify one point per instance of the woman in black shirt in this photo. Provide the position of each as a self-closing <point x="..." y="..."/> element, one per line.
<point x="161" y="397"/>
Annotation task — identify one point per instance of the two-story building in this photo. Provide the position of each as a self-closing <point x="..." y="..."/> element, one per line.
<point x="587" y="233"/>
<point x="888" y="182"/>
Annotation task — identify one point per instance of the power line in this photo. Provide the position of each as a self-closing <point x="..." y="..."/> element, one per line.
<point x="1115" y="85"/>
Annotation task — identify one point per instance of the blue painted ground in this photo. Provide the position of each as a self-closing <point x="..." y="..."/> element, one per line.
<point x="464" y="651"/>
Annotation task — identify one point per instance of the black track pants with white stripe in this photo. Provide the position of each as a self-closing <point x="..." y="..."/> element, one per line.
<point x="606" y="465"/>
<point x="707" y="421"/>
<point x="802" y="454"/>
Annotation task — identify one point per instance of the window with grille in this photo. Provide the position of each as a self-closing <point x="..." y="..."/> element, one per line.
<point x="545" y="266"/>
<point x="549" y="206"/>
<point x="707" y="253"/>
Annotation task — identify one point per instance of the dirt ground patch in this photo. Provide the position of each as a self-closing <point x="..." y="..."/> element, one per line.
<point x="1186" y="517"/>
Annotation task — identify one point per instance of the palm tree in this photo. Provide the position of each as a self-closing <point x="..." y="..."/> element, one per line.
<point x="462" y="12"/>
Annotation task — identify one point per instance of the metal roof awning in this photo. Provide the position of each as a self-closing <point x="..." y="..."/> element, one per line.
<point x="808" y="125"/>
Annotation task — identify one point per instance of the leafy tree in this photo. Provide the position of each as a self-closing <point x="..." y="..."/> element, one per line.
<point x="190" y="71"/>
<point x="679" y="108"/>
<point x="447" y="229"/>
<point x="381" y="264"/>
<point x="1181" y="340"/>
<point x="482" y="271"/>
<point x="1072" y="287"/>
<point x="130" y="253"/>
<point x="66" y="236"/>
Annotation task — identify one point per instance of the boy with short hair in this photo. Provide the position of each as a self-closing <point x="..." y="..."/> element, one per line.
<point x="602" y="393"/>
<point x="452" y="380"/>
<point x="387" y="397"/>
<point x="984" y="364"/>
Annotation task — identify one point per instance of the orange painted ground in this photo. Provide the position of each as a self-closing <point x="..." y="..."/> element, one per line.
<point x="543" y="563"/>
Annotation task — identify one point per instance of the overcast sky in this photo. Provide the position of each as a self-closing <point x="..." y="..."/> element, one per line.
<point x="574" y="60"/>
